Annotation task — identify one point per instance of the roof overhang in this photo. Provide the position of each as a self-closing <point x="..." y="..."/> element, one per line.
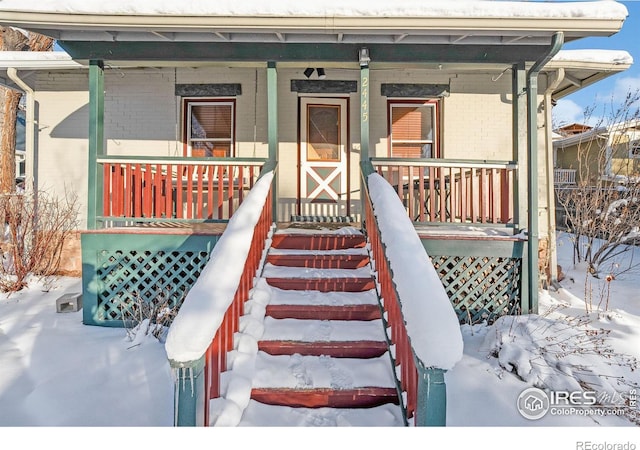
<point x="85" y="29"/>
<point x="586" y="67"/>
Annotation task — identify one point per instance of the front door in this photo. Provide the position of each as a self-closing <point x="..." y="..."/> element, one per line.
<point x="323" y="181"/>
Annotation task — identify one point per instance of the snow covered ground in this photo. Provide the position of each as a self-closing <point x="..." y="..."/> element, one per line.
<point x="56" y="373"/>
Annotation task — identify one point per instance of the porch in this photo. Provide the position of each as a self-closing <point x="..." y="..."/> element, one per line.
<point x="160" y="219"/>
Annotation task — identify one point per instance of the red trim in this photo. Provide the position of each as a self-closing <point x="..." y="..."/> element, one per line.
<point x="324" y="284"/>
<point x="324" y="312"/>
<point x="320" y="261"/>
<point x="365" y="397"/>
<point x="335" y="349"/>
<point x="318" y="241"/>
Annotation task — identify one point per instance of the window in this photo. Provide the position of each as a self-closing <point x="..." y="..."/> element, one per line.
<point x="209" y="128"/>
<point x="413" y="128"/>
<point x="634" y="149"/>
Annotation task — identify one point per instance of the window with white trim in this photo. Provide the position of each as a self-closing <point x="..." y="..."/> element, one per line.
<point x="209" y="127"/>
<point x="413" y="129"/>
<point x="634" y="149"/>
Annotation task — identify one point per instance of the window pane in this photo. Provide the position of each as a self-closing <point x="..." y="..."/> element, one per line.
<point x="211" y="121"/>
<point x="201" y="149"/>
<point x="412" y="131"/>
<point x="323" y="132"/>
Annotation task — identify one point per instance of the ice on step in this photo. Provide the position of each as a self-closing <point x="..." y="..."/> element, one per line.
<point x="271" y="271"/>
<point x="322" y="330"/>
<point x="295" y="297"/>
<point x="297" y="371"/>
<point x="259" y="414"/>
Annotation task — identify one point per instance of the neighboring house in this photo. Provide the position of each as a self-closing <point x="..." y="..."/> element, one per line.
<point x="160" y="117"/>
<point x="609" y="152"/>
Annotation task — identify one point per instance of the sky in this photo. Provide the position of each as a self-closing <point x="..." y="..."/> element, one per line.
<point x="571" y="108"/>
<point x="70" y="380"/>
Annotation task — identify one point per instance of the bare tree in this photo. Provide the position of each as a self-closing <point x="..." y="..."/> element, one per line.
<point x="603" y="209"/>
<point x="13" y="40"/>
<point x="35" y="236"/>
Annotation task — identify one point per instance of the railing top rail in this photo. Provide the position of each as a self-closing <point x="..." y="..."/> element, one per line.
<point x="185" y="161"/>
<point x="203" y="309"/>
<point x="439" y="162"/>
<point x="432" y="325"/>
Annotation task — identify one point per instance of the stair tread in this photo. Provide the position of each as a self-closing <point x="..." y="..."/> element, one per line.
<point x="355" y="251"/>
<point x="273" y="271"/>
<point x="328" y="261"/>
<point x="312" y="372"/>
<point x="257" y="413"/>
<point x="336" y="284"/>
<point x="365" y="397"/>
<point x="324" y="312"/>
<point x="320" y="241"/>
<point x="292" y="297"/>
<point x="334" y="349"/>
<point x="322" y="330"/>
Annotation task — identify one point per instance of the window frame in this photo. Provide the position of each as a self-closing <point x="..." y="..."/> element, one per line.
<point x="634" y="149"/>
<point x="188" y="103"/>
<point x="403" y="102"/>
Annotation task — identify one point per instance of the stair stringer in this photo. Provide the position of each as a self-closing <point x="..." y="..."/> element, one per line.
<point x="387" y="330"/>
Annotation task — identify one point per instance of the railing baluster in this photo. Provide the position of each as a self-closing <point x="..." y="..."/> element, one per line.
<point x="467" y="192"/>
<point x="161" y="190"/>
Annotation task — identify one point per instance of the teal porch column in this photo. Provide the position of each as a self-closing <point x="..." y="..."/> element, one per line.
<point x="272" y="126"/>
<point x="96" y="142"/>
<point x="364" y="110"/>
<point x="190" y="396"/>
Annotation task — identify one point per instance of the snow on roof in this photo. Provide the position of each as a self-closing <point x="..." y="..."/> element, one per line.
<point x="328" y="8"/>
<point x="595" y="56"/>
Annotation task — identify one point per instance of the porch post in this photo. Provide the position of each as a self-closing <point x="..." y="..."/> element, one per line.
<point x="519" y="122"/>
<point x="272" y="126"/>
<point x="96" y="141"/>
<point x="532" y="153"/>
<point x="364" y="112"/>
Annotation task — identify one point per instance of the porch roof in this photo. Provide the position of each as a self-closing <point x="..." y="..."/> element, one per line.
<point x="436" y="22"/>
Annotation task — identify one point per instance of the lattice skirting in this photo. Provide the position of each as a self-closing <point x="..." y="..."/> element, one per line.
<point x="119" y="270"/>
<point x="481" y="287"/>
<point x="128" y="276"/>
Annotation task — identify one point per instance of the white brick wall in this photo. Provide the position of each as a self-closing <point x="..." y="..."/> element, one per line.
<point x="142" y="117"/>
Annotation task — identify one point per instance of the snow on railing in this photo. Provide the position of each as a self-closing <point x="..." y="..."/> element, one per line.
<point x="202" y="332"/>
<point x="424" y="328"/>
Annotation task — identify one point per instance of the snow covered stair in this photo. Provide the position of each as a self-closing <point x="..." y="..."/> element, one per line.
<point x="323" y="359"/>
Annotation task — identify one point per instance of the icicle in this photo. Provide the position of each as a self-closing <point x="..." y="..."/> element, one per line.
<point x="176" y="401"/>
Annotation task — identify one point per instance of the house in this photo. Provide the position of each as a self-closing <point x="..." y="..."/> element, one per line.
<point x="161" y="120"/>
<point x="611" y="151"/>
<point x="170" y="120"/>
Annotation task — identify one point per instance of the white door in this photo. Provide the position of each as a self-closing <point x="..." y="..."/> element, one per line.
<point x="323" y="182"/>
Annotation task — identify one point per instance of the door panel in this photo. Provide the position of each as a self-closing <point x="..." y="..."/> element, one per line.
<point x="323" y="184"/>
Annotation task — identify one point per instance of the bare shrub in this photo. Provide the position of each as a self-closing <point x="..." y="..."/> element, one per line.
<point x="150" y="316"/>
<point x="35" y="229"/>
<point x="602" y="209"/>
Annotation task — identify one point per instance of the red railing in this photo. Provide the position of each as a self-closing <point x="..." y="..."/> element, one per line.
<point x="222" y="343"/>
<point x="175" y="188"/>
<point x="452" y="191"/>
<point x="403" y="357"/>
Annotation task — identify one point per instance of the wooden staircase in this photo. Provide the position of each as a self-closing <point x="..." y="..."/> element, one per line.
<point x="323" y="358"/>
